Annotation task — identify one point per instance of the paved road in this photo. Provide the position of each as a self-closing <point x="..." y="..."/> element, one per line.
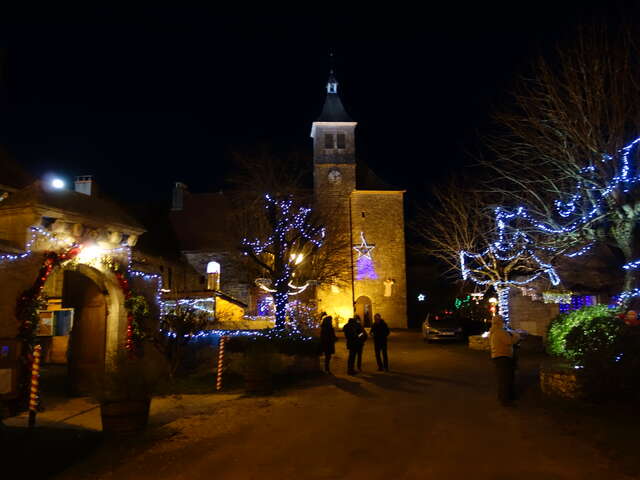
<point x="434" y="416"/>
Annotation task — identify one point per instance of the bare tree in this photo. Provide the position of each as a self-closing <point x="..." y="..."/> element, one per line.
<point x="260" y="176"/>
<point x="457" y="219"/>
<point x="460" y="229"/>
<point x="560" y="151"/>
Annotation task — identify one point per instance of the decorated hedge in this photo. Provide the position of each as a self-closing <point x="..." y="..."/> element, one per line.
<point x="561" y="326"/>
<point x="604" y="347"/>
<point x="285" y="344"/>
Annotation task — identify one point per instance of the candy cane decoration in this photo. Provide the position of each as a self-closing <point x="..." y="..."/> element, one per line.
<point x="35" y="375"/>
<point x="220" y="363"/>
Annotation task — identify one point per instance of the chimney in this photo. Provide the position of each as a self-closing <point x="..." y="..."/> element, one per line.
<point x="84" y="184"/>
<point x="179" y="189"/>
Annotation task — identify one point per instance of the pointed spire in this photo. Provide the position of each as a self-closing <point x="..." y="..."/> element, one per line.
<point x="332" y="83"/>
<point x="333" y="110"/>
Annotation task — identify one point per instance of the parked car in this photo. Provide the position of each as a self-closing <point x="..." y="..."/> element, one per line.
<point x="443" y="326"/>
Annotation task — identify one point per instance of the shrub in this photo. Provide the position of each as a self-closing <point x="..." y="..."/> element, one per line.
<point x="286" y="344"/>
<point x="603" y="346"/>
<point x="560" y="327"/>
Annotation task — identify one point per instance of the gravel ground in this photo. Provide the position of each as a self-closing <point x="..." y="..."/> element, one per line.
<point x="434" y="416"/>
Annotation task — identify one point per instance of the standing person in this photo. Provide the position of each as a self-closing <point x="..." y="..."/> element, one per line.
<point x="327" y="341"/>
<point x="502" y="342"/>
<point x="380" y="332"/>
<point x="361" y="339"/>
<point x="351" y="334"/>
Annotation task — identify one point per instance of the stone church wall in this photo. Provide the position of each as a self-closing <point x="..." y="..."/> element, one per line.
<point x="380" y="216"/>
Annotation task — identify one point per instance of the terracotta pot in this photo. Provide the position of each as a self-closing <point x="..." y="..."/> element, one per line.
<point x="125" y="417"/>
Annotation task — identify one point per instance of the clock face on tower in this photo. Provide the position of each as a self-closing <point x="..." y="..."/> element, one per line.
<point x="335" y="176"/>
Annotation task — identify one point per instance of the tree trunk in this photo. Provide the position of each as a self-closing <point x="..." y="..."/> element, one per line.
<point x="280" y="298"/>
<point x="623" y="233"/>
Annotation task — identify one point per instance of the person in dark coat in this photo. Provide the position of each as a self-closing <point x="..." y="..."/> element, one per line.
<point x="380" y="332"/>
<point x="353" y="344"/>
<point x="327" y="341"/>
<point x="362" y="338"/>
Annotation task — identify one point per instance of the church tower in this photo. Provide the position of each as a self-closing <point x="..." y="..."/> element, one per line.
<point x="334" y="179"/>
<point x="334" y="149"/>
<point x="365" y="224"/>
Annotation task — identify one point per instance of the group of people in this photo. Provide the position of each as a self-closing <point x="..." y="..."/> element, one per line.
<point x="356" y="336"/>
<point x="503" y="343"/>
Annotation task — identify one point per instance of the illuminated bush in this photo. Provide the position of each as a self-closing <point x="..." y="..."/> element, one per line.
<point x="561" y="326"/>
<point x="603" y="348"/>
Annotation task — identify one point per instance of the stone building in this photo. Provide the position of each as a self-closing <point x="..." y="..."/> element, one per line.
<point x="84" y="309"/>
<point x="367" y="213"/>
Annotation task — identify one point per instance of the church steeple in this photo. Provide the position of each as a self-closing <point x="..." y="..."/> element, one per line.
<point x="333" y="110"/>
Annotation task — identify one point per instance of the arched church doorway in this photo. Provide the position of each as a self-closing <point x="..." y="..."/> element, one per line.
<point x="364" y="310"/>
<point x="87" y="338"/>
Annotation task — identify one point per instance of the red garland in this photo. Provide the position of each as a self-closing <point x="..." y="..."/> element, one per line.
<point x="25" y="310"/>
<point x="126" y="289"/>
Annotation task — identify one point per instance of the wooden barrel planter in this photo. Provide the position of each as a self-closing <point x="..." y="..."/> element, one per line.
<point x="125" y="417"/>
<point x="258" y="380"/>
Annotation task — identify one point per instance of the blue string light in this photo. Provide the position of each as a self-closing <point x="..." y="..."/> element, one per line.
<point x="291" y="230"/>
<point x="514" y="244"/>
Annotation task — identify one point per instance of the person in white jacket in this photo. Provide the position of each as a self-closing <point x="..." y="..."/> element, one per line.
<point x="502" y="341"/>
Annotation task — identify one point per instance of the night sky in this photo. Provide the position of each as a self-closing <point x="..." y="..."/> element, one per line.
<point x="142" y="98"/>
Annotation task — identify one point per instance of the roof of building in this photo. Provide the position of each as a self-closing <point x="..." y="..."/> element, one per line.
<point x="333" y="110"/>
<point x="367" y="179"/>
<point x="203" y="223"/>
<point x="160" y="238"/>
<point x="98" y="209"/>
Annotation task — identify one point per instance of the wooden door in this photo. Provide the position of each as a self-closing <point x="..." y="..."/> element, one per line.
<point x="363" y="310"/>
<point x="88" y="335"/>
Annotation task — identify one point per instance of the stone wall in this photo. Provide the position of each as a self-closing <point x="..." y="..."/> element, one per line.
<point x="478" y="342"/>
<point x="529" y="315"/>
<point x="15" y="278"/>
<point x="233" y="272"/>
<point x="380" y="217"/>
<point x="561" y="381"/>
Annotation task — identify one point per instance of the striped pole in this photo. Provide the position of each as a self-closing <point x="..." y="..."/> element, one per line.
<point x="220" y="363"/>
<point x="34" y="393"/>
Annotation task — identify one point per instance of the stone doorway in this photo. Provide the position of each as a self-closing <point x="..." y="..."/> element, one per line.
<point x="364" y="311"/>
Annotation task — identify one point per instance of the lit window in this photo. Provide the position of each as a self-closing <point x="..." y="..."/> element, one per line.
<point x="213" y="276"/>
<point x="342" y="141"/>
<point x="328" y="140"/>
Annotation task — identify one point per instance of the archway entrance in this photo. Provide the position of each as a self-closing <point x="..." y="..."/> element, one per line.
<point x="364" y="310"/>
<point x="87" y="339"/>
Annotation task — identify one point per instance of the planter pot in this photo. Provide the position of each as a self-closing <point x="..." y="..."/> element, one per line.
<point x="305" y="364"/>
<point x="125" y="417"/>
<point x="257" y="380"/>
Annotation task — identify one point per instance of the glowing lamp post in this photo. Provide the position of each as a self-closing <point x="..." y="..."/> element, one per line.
<point x="57" y="183"/>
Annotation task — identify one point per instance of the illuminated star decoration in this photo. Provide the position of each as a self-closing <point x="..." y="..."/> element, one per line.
<point x="421" y="297"/>
<point x="364" y="263"/>
<point x="363" y="249"/>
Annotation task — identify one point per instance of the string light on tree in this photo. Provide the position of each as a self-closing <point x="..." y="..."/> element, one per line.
<point x="292" y="232"/>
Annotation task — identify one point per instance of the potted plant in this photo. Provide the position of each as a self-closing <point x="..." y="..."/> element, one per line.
<point x="124" y="393"/>
<point x="260" y="361"/>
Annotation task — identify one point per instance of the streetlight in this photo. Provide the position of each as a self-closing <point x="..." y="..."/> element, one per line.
<point x="57" y="183"/>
